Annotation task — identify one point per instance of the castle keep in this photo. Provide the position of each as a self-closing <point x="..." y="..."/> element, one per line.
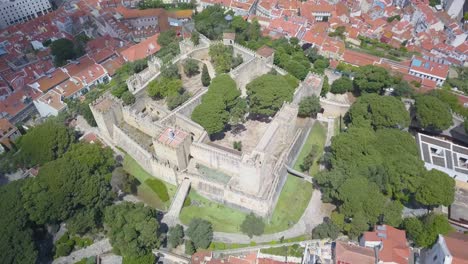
<point x="172" y="147"/>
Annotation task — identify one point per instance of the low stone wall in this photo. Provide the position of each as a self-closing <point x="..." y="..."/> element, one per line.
<point x="333" y="109"/>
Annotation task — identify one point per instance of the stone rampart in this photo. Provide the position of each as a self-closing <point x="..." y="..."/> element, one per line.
<point x="216" y="158"/>
<point x="248" y="71"/>
<point x="188" y="125"/>
<point x="143" y="157"/>
<point x="185" y="109"/>
<point x="141" y="121"/>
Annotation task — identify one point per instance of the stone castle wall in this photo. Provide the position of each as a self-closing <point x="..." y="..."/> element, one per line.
<point x="248" y="71"/>
<point x="216" y="158"/>
<point x="141" y="121"/>
<point x="144" y="157"/>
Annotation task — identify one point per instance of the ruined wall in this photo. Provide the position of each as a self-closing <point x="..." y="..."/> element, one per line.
<point x="141" y="121"/>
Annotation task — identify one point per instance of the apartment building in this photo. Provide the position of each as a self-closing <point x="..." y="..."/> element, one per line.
<point x="18" y="11"/>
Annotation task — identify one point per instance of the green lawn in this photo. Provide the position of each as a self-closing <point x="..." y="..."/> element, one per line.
<point x="145" y="193"/>
<point x="337" y="125"/>
<point x="223" y="218"/>
<point x="317" y="136"/>
<point x="295" y="192"/>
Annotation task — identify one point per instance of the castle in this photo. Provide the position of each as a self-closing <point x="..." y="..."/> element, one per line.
<point x="172" y="147"/>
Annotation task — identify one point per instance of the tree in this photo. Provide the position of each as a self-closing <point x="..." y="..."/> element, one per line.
<point x="164" y="87"/>
<point x="437" y="188"/>
<point x="176" y="100"/>
<point x="211" y="23"/>
<point x="195" y="38"/>
<point x="327" y="229"/>
<point x="309" y="159"/>
<point x="325" y="87"/>
<point x="83" y="171"/>
<point x="176" y="236"/>
<point x="252" y="225"/>
<point x="222" y="57"/>
<point x="432" y="113"/>
<point x="55" y="139"/>
<point x="267" y="93"/>
<point x="381" y="111"/>
<point x="128" y="98"/>
<point x="212" y="116"/>
<point x="403" y="89"/>
<point x="309" y="106"/>
<point x="205" y="76"/>
<point x="425" y="230"/>
<point x="62" y="49"/>
<point x="16" y="243"/>
<point x="167" y="37"/>
<point x="149" y="258"/>
<point x="122" y="181"/>
<point x="341" y="85"/>
<point x="189" y="247"/>
<point x="238" y="111"/>
<point x="132" y="229"/>
<point x="213" y="113"/>
<point x="200" y="232"/>
<point x="191" y="67"/>
<point x="321" y="64"/>
<point x="170" y="71"/>
<point x="372" y="79"/>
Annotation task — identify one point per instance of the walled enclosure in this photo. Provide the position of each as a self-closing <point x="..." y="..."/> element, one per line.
<point x="255" y="178"/>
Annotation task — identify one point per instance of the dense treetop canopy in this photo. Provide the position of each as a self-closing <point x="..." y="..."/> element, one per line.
<point x="84" y="171"/>
<point x="372" y="79"/>
<point x="16" y="236"/>
<point x="379" y="111"/>
<point x="132" y="229"/>
<point x="55" y="139"/>
<point x="214" y="112"/>
<point x="432" y="113"/>
<point x="267" y="93"/>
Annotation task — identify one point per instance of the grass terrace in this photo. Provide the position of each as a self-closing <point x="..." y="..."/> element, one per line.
<point x="147" y="191"/>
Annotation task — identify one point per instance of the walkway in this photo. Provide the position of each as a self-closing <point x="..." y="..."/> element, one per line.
<point x="313" y="216"/>
<point x="294" y="172"/>
<point x="171" y="218"/>
<point x="95" y="249"/>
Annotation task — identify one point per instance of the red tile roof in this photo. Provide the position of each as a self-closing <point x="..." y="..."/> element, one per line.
<point x="142" y="50"/>
<point x="430" y="67"/>
<point x="457" y="243"/>
<point x="395" y="248"/>
<point x="358" y="58"/>
<point x="351" y="254"/>
<point x="17" y="101"/>
<point x="172" y="137"/>
<point x="50" y="81"/>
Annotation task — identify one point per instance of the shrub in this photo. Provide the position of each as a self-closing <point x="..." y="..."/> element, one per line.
<point x="159" y="188"/>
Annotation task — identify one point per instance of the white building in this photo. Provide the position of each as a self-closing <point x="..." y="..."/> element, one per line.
<point x="430" y="70"/>
<point x="449" y="249"/>
<point x="443" y="155"/>
<point x="50" y="104"/>
<point x="17" y="11"/>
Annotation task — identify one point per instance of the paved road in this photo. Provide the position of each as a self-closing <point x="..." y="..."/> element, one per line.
<point x="95" y="249"/>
